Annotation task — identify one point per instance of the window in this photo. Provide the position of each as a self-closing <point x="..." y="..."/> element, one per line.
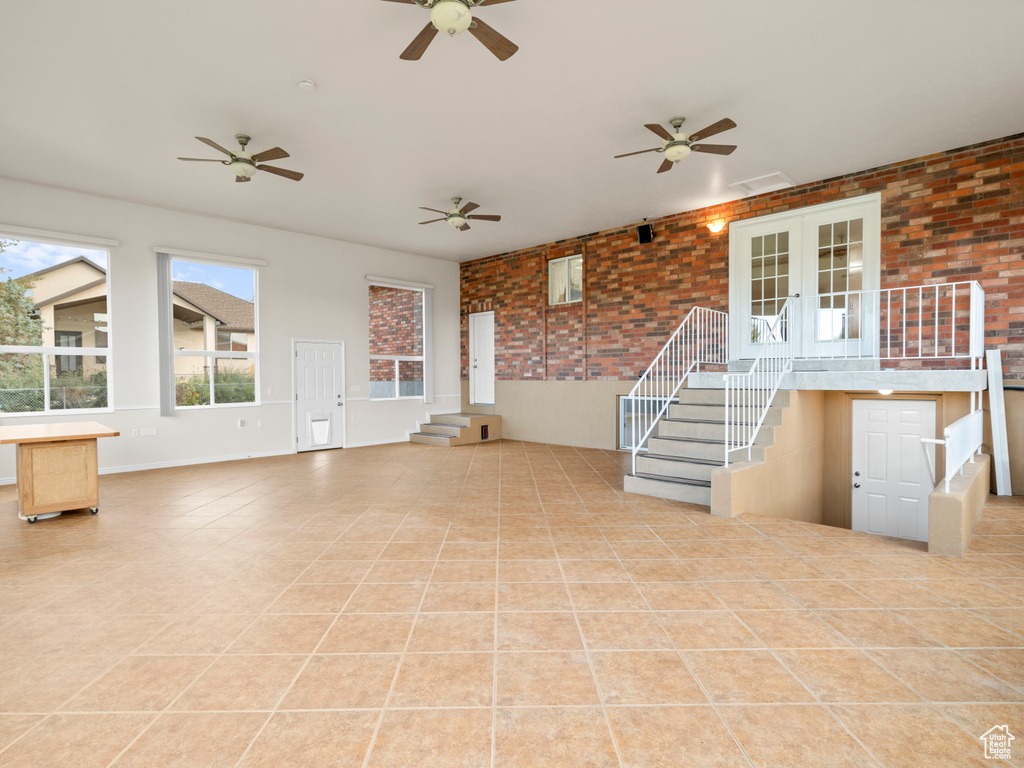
<point x="565" y="280"/>
<point x="54" y="321"/>
<point x="209" y="317"/>
<point x="396" y="343"/>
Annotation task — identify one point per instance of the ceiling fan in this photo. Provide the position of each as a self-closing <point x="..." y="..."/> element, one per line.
<point x="677" y="146"/>
<point x="245" y="164"/>
<point x="458" y="217"/>
<point x="453" y="17"/>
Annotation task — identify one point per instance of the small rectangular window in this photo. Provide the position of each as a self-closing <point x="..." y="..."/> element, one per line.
<point x="54" y="322"/>
<point x="214" y="321"/>
<point x="565" y="280"/>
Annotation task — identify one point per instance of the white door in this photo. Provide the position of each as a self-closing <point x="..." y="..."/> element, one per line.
<point x="319" y="395"/>
<point x="481" y="358"/>
<point x="891" y="477"/>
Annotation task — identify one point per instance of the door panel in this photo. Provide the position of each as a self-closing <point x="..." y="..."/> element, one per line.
<point x="481" y="362"/>
<point x="320" y="395"/>
<point x="892" y="480"/>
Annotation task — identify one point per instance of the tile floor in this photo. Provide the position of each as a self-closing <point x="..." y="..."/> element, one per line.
<point x="496" y="605"/>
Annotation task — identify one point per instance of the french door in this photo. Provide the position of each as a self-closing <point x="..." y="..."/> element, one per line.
<point x="826" y="260"/>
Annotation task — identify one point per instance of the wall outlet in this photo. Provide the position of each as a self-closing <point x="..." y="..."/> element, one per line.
<point x="241" y="422"/>
<point x="259" y="423"/>
<point x="135" y="433"/>
<point x="270" y="391"/>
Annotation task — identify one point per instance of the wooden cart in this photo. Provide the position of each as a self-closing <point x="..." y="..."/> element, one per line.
<point x="57" y="467"/>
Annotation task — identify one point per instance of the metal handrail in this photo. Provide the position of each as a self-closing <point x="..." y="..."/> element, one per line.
<point x="702" y="337"/>
<point x="748" y="396"/>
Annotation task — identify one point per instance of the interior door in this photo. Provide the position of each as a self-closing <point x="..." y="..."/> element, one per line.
<point x="319" y="395"/>
<point x="891" y="477"/>
<point x="481" y="358"/>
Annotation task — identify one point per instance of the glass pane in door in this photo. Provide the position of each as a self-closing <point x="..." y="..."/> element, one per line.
<point x="840" y="277"/>
<point x="769" y="283"/>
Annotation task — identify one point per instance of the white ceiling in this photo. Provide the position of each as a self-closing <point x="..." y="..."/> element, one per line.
<point x="102" y="96"/>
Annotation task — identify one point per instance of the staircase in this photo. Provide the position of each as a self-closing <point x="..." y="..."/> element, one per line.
<point x="689" y="442"/>
<point x="451" y="429"/>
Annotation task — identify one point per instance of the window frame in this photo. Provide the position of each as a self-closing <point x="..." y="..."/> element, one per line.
<point x="168" y="352"/>
<point x="567" y="261"/>
<point x="45" y="237"/>
<point x="427" y="358"/>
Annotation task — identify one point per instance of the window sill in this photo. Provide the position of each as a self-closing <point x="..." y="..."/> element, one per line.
<point x="67" y="412"/>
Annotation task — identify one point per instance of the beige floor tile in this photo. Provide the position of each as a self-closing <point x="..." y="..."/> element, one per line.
<point x="13" y="726"/>
<point x="347" y="551"/>
<point x="534" y="596"/>
<point x="751" y="595"/>
<point x="400" y="572"/>
<point x="386" y="598"/>
<point x="594" y="571"/>
<point x="444" y="680"/>
<point x="640" y="678"/>
<point x="792" y="629"/>
<point x="538" y="631"/>
<point x="746" y="677"/>
<point x="782" y="737"/>
<point x="184" y="740"/>
<point x="686" y="596"/>
<point x="942" y="675"/>
<point x="283" y="633"/>
<point x="698" y="630"/>
<point x="313" y="598"/>
<point x="606" y="597"/>
<point x="115" y="634"/>
<point x="313" y="740"/>
<point x="1005" y="663"/>
<point x="658" y="571"/>
<point x="970" y="593"/>
<point x="434" y="738"/>
<point x="529" y="570"/>
<point x="239" y="598"/>
<point x="877" y="629"/>
<point x="241" y="683"/>
<point x="826" y="595"/>
<point x="937" y="742"/>
<point x="845" y="676"/>
<point x="623" y="631"/>
<point x="545" y="679"/>
<point x="958" y="628"/>
<point x="899" y="593"/>
<point x="459" y="597"/>
<point x="452" y="632"/>
<point x="554" y="738"/>
<point x="368" y="633"/>
<point x="786" y="568"/>
<point x="465" y="571"/>
<point x="1010" y="619"/>
<point x="977" y="719"/>
<point x="666" y="737"/>
<point x="584" y="550"/>
<point x="139" y="684"/>
<point x="724" y="569"/>
<point x="359" y="681"/>
<point x="75" y="741"/>
<point x="699" y="549"/>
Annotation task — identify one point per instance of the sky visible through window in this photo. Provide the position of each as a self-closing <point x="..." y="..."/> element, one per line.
<point x="25" y="257"/>
<point x="237" y="282"/>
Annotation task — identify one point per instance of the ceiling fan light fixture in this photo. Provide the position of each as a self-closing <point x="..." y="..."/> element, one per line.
<point x="456" y="219"/>
<point x="243" y="167"/>
<point x="451" y="16"/>
<point x="676" y="152"/>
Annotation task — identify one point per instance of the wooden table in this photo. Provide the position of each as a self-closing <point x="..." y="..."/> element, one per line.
<point x="57" y="469"/>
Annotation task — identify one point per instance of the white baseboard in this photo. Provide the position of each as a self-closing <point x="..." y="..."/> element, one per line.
<point x="379" y="442"/>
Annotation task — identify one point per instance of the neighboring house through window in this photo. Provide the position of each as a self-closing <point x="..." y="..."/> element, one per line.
<point x="54" y="326"/>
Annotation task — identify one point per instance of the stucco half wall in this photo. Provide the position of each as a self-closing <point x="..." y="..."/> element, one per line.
<point x="578" y="413"/>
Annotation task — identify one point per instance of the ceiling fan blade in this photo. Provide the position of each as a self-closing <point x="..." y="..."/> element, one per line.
<point x="722" y="125"/>
<point x="270" y="154"/>
<point x="468" y="207"/>
<point x="431" y="221"/>
<point x="464" y="228"/>
<point x="201" y="160"/>
<point x="215" y="145"/>
<point x="666" y="166"/>
<point x="433" y="210"/>
<point x="419" y="44"/>
<point x="662" y="133"/>
<point x="243" y="178"/>
<point x="487" y="217"/>
<point x="641" y="152"/>
<point x="493" y="2"/>
<point x="493" y="41"/>
<point x="293" y="175"/>
<point x="714" y="149"/>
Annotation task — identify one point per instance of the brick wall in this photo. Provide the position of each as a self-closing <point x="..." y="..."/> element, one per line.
<point x="956" y="215"/>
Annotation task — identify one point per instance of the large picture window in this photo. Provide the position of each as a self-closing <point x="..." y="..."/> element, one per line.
<point x="213" y="322"/>
<point x="396" y="343"/>
<point x="54" y="327"/>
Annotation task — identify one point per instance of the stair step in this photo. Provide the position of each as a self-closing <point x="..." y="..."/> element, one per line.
<point x="429" y="439"/>
<point x="451" y="430"/>
<point x="692" y="491"/>
<point x="685" y="459"/>
<point x="676" y="467"/>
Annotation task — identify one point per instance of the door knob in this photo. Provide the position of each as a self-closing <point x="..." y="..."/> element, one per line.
<point x="856" y="474"/>
<point x="856" y="485"/>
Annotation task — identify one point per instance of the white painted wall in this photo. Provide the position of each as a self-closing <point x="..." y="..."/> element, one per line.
<point x="311" y="288"/>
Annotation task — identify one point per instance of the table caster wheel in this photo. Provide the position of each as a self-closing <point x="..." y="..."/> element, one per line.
<point x="32" y="519"/>
<point x="94" y="510"/>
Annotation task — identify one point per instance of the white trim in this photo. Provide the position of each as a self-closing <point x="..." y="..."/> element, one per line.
<point x="380" y="442"/>
<point x="207" y="258"/>
<point x="59" y="238"/>
<point x="390" y="282"/>
<point x="811" y="209"/>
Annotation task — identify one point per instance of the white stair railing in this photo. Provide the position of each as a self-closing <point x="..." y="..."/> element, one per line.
<point x="702" y="337"/>
<point x="748" y="396"/>
<point x="963" y="440"/>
